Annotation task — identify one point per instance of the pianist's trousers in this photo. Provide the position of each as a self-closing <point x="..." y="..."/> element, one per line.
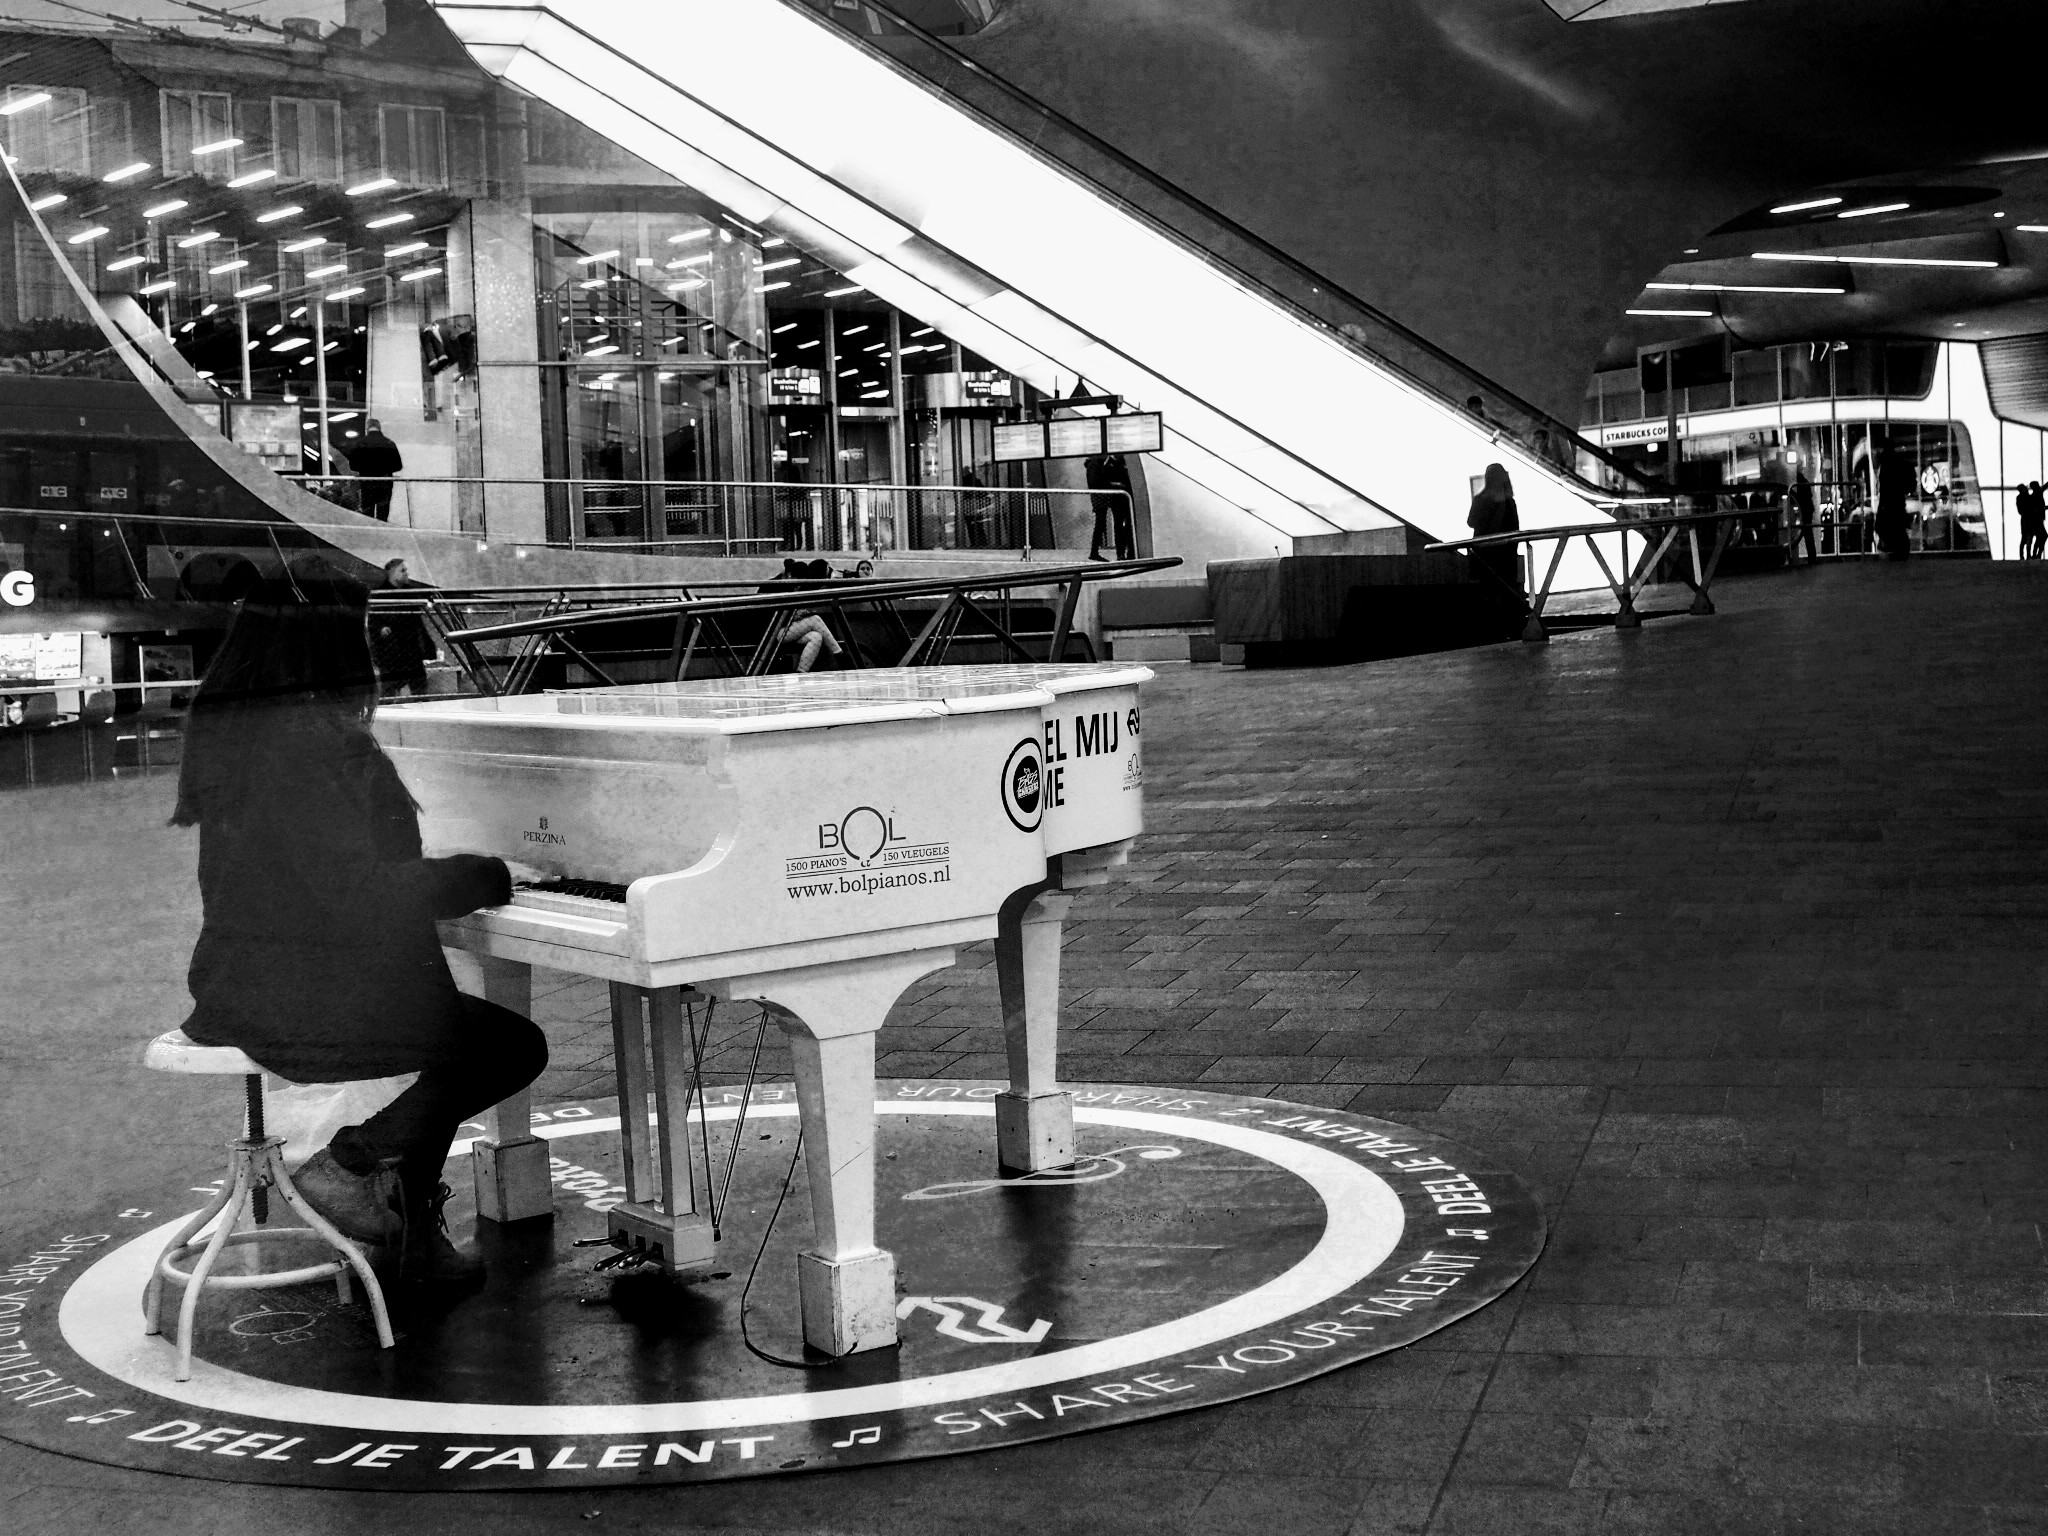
<point x="491" y="1053"/>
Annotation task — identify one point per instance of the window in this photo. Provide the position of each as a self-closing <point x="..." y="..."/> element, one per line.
<point x="193" y="119"/>
<point x="415" y="145"/>
<point x="307" y="136"/>
<point x="40" y="292"/>
<point x="55" y="136"/>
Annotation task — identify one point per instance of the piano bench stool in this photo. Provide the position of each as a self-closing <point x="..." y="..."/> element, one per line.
<point x="255" y="1167"/>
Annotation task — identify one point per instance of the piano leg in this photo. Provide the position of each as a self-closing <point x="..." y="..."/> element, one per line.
<point x="661" y="1218"/>
<point x="511" y="1163"/>
<point x="1034" y="1118"/>
<point x="847" y="1285"/>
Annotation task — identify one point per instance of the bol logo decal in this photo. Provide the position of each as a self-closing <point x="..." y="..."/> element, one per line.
<point x="865" y="832"/>
<point x="1024" y="785"/>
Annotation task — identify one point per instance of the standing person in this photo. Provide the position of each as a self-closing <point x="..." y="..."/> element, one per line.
<point x="1493" y="511"/>
<point x="375" y="459"/>
<point x="2033" y="510"/>
<point x="1799" y="504"/>
<point x="318" y="954"/>
<point x="399" y="642"/>
<point x="1894" y="477"/>
<point x="1108" y="476"/>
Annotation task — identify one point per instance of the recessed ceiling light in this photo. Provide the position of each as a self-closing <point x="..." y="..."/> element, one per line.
<point x="1802" y="207"/>
<point x="768" y="287"/>
<point x="343" y="293"/>
<point x="387" y="221"/>
<point x="404" y="250"/>
<point x="1872" y="261"/>
<point x="684" y="239"/>
<point x="304" y="245"/>
<point x="1689" y="314"/>
<point x="836" y="293"/>
<point x="592" y="260"/>
<point x="604" y="351"/>
<point x="1864" y="213"/>
<point x="250" y="293"/>
<point x="292" y="344"/>
<point x="378" y="185"/>
<point x="419" y="276"/>
<point x="23" y="103"/>
<point x="47" y="200"/>
<point x="87" y="236"/>
<point x="2032" y="229"/>
<point x="274" y="214"/>
<point x="125" y="263"/>
<point x="228" y="266"/>
<point x="216" y="146"/>
<point x="162" y="209"/>
<point x="163" y="286"/>
<point x="329" y="271"/>
<point x="776" y="266"/>
<point x="1735" y="288"/>
<point x="251" y="178"/>
<point x="201" y="238"/>
<point x="126" y="172"/>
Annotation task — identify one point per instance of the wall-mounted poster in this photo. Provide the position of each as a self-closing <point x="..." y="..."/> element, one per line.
<point x="169" y="666"/>
<point x="42" y="658"/>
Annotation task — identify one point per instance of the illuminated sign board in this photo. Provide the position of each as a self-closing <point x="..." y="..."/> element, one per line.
<point x="42" y="658"/>
<point x="1079" y="437"/>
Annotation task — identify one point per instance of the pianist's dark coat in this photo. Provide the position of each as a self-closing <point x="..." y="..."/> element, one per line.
<point x="318" y="955"/>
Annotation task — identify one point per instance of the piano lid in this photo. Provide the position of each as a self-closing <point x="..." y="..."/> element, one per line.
<point x="871" y="693"/>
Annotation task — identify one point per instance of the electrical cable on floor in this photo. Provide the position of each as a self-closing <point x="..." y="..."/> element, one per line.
<point x="747" y="1289"/>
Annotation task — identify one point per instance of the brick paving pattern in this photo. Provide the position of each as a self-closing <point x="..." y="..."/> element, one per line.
<point x="1726" y="934"/>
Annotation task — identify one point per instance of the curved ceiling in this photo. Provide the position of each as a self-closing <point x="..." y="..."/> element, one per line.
<point x="1504" y="181"/>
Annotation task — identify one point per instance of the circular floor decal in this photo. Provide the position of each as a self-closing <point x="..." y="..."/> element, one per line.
<point x="1206" y="1247"/>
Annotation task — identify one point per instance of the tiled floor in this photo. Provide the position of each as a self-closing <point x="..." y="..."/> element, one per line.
<point x="1726" y="933"/>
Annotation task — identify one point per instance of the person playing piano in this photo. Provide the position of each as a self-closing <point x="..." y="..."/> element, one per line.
<point x="317" y="954"/>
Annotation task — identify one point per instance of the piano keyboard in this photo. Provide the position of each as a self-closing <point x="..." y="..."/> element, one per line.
<point x="589" y="890"/>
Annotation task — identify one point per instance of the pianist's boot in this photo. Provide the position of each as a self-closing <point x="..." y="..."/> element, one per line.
<point x="426" y="1256"/>
<point x="359" y="1204"/>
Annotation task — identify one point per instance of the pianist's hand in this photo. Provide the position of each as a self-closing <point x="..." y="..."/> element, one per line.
<point x="526" y="874"/>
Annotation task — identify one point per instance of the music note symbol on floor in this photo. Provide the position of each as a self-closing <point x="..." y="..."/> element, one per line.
<point x="870" y="1435"/>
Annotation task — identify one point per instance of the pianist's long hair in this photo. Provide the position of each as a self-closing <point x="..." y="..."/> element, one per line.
<point x="293" y="676"/>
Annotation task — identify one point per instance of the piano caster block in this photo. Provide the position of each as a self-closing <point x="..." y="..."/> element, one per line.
<point x="512" y="1182"/>
<point x="1034" y="1131"/>
<point x="848" y="1304"/>
<point x="682" y="1245"/>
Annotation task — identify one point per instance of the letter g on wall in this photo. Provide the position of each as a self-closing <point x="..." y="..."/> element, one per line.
<point x="17" y="588"/>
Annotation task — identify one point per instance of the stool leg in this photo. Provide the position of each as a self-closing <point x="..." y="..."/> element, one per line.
<point x="252" y="1094"/>
<point x="351" y="1255"/>
<point x="152" y="1296"/>
<point x="196" y="1286"/>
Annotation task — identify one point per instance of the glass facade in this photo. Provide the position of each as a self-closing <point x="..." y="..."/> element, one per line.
<point x="565" y="343"/>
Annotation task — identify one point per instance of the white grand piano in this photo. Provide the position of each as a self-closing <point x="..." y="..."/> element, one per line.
<point x="815" y="842"/>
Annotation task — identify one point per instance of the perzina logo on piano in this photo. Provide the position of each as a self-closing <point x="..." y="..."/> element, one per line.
<point x="543" y="835"/>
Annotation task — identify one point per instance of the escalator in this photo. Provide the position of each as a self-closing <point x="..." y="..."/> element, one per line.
<point x="1291" y="407"/>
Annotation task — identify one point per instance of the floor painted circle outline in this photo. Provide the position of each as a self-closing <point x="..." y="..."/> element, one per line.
<point x="97" y="1321"/>
<point x="1367" y="1242"/>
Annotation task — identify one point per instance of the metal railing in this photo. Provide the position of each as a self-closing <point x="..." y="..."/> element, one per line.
<point x="1213" y="236"/>
<point x="741" y="517"/>
<point x="916" y="621"/>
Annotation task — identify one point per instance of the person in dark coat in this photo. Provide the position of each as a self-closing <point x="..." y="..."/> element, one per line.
<point x="1799" y="507"/>
<point x="375" y="459"/>
<point x="399" y="642"/>
<point x="1894" y="478"/>
<point x="2032" y="506"/>
<point x="1107" y="474"/>
<point x="317" y="954"/>
<point x="1500" y="568"/>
